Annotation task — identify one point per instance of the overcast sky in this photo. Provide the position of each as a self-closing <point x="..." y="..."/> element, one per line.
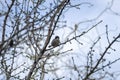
<point x="95" y="10"/>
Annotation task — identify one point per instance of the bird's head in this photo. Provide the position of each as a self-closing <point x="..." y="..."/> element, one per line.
<point x="56" y="37"/>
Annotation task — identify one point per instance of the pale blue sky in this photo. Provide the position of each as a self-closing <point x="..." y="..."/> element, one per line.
<point x="87" y="12"/>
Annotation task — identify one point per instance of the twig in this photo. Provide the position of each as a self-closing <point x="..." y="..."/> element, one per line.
<point x="100" y="59"/>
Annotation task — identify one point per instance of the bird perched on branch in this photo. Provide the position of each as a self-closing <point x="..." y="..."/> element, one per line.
<point x="11" y="43"/>
<point x="55" y="42"/>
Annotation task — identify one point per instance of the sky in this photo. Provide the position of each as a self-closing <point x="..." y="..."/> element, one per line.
<point x="95" y="11"/>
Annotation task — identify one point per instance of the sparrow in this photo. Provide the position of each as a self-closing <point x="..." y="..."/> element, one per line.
<point x="11" y="43"/>
<point x="55" y="42"/>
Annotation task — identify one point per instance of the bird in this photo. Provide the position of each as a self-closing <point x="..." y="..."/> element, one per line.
<point x="55" y="42"/>
<point x="11" y="43"/>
